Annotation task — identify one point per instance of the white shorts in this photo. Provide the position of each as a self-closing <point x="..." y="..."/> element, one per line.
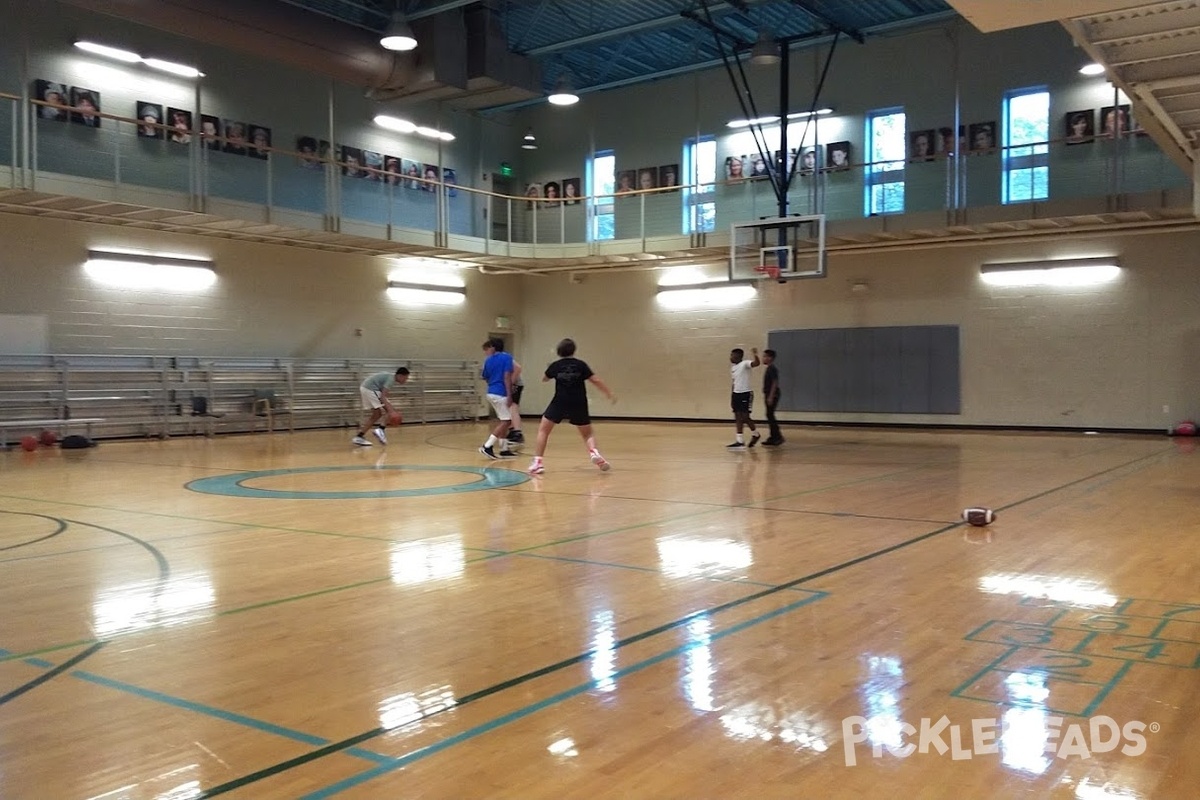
<point x="500" y="403"/>
<point x="370" y="399"/>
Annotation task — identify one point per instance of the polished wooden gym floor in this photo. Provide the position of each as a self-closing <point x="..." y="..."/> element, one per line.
<point x="285" y="616"/>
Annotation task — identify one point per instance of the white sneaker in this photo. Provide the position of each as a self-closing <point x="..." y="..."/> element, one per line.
<point x="380" y="435"/>
<point x="536" y="468"/>
<point x="358" y="440"/>
<point x="599" y="461"/>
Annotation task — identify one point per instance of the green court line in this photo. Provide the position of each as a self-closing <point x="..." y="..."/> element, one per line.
<point x="43" y="650"/>
<point x="114" y="546"/>
<point x="317" y="593"/>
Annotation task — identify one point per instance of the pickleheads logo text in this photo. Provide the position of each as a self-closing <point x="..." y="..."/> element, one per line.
<point x="982" y="737"/>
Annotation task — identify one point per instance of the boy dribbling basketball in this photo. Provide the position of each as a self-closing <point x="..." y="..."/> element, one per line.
<point x="570" y="376"/>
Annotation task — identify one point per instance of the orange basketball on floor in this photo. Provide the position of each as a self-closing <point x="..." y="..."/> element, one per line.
<point x="29" y="443"/>
<point x="394" y="418"/>
<point x="48" y="438"/>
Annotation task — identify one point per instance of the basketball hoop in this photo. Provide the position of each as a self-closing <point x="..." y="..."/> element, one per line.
<point x="768" y="272"/>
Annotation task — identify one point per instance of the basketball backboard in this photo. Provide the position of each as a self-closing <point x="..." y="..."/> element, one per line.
<point x="782" y="248"/>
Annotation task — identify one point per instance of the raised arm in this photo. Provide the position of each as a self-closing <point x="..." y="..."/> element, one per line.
<point x="754" y="352"/>
<point x="603" y="387"/>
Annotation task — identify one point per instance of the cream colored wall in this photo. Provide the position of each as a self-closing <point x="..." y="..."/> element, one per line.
<point x="1107" y="356"/>
<point x="269" y="300"/>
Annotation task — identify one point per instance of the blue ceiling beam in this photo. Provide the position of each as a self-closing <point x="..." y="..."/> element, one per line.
<point x="665" y="21"/>
<point x="887" y="27"/>
<point x="448" y="5"/>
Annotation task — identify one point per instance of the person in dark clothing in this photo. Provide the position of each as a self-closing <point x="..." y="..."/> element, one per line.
<point x="570" y="376"/>
<point x="771" y="397"/>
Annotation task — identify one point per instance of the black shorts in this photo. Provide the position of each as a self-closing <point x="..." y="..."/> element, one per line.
<point x="575" y="414"/>
<point x="516" y="396"/>
<point x="741" y="402"/>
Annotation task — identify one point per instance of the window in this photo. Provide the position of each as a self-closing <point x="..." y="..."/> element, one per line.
<point x="700" y="175"/>
<point x="1026" y="154"/>
<point x="885" y="162"/>
<point x="601" y="183"/>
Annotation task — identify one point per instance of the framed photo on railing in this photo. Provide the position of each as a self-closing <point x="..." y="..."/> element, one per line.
<point x="149" y="116"/>
<point x="450" y="178"/>
<point x="235" y="137"/>
<point x="552" y="193"/>
<point x="626" y="179"/>
<point x="352" y="162"/>
<point x="87" y="107"/>
<point x="668" y="176"/>
<point x="571" y="193"/>
<point x="983" y="136"/>
<point x="180" y="121"/>
<point x="374" y="163"/>
<point x="837" y="156"/>
<point x="393" y="172"/>
<point x="921" y="145"/>
<point x="735" y="168"/>
<point x="306" y="146"/>
<point x="1114" y="119"/>
<point x="51" y="92"/>
<point x="432" y="176"/>
<point x="412" y="171"/>
<point x="1079" y="126"/>
<point x="210" y="131"/>
<point x="260" y="142"/>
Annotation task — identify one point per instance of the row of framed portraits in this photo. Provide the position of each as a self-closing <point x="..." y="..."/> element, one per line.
<point x="663" y="177"/>
<point x="749" y="167"/>
<point x="371" y="165"/>
<point x="156" y="121"/>
<point x="552" y="193"/>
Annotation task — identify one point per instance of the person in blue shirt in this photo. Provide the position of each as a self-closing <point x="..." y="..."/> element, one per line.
<point x="498" y="369"/>
<point x="374" y="392"/>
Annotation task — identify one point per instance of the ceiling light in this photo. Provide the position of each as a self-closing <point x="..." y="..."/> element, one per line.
<point x="398" y="35"/>
<point x="395" y="124"/>
<point x="446" y="136"/>
<point x="1091" y="69"/>
<point x="745" y="123"/>
<point x="820" y="112"/>
<point x="563" y="94"/>
<point x="529" y="142"/>
<point x="432" y="133"/>
<point x="175" y="69"/>
<point x="109" y="52"/>
<point x="426" y="294"/>
<point x="766" y="50"/>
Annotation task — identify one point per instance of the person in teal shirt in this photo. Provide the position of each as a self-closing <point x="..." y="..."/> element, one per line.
<point x="377" y="405"/>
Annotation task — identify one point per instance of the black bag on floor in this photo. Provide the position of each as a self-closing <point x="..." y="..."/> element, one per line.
<point x="76" y="442"/>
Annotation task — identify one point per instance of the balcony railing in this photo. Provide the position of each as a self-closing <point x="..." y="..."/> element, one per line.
<point x="188" y="171"/>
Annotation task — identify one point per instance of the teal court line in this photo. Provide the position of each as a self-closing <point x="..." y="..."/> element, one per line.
<point x="201" y="708"/>
<point x="479" y="730"/>
<point x="234" y="485"/>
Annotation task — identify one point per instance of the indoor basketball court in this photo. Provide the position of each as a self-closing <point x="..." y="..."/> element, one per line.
<point x="277" y="615"/>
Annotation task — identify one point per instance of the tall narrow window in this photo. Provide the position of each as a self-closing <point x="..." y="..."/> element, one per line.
<point x="885" y="162"/>
<point x="601" y="183"/>
<point x="699" y="178"/>
<point x="1026" y="154"/>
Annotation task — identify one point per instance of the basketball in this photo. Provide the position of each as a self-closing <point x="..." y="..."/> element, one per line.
<point x="1186" y="428"/>
<point x="978" y="516"/>
<point x="48" y="438"/>
<point x="394" y="418"/>
<point x="29" y="443"/>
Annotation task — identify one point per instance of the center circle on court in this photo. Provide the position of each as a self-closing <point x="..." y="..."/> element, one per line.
<point x="249" y="484"/>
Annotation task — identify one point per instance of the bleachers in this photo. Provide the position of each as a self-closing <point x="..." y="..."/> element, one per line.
<point x="161" y="396"/>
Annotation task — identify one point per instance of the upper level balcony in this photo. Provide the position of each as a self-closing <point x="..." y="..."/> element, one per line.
<point x="150" y="176"/>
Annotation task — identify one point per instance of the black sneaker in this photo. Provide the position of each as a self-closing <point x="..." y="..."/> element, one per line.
<point x="772" y="442"/>
<point x="505" y="454"/>
<point x="490" y="453"/>
<point x="754" y="440"/>
<point x="517" y="437"/>
<point x="736" y="446"/>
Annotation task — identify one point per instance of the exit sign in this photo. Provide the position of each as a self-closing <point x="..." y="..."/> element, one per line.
<point x="506" y="169"/>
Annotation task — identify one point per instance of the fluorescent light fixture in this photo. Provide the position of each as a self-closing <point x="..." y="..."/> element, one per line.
<point x="114" y="53"/>
<point x="705" y="295"/>
<point x="404" y="126"/>
<point x="395" y="124"/>
<point x="147" y="271"/>
<point x="1091" y="69"/>
<point x="745" y="123"/>
<point x="529" y="142"/>
<point x="183" y="70"/>
<point x="398" y="35"/>
<point x="426" y="294"/>
<point x="563" y="94"/>
<point x="1067" y="272"/>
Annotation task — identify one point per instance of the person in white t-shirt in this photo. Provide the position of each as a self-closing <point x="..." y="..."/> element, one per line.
<point x="743" y="396"/>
